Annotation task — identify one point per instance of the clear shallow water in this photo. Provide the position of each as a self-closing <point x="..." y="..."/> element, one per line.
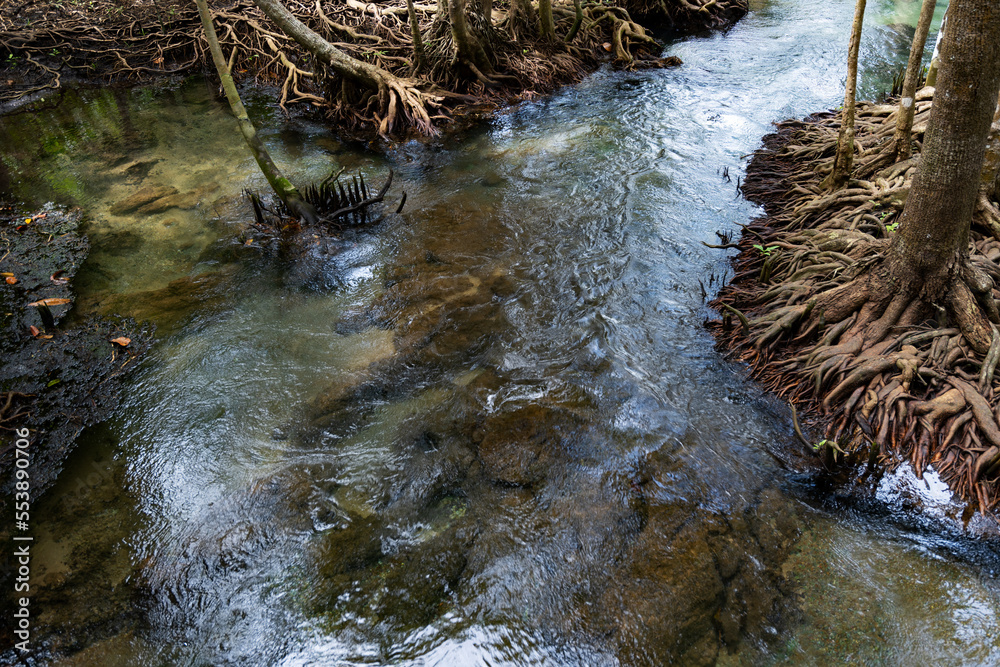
<point x="493" y="432"/>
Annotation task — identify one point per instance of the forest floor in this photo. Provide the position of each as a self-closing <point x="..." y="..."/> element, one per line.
<point x="45" y="44"/>
<point x="922" y="395"/>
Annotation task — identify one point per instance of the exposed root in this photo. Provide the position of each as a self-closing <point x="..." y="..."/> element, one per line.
<point x="890" y="374"/>
<point x="431" y="81"/>
<point x="691" y="15"/>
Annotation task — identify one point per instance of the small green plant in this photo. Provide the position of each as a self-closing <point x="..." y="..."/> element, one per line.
<point x="766" y="251"/>
<point x="828" y="444"/>
<point x="893" y="227"/>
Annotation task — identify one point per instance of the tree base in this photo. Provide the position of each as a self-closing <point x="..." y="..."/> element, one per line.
<point x="888" y="374"/>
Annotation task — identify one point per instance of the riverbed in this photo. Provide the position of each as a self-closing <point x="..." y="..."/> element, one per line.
<point x="491" y="430"/>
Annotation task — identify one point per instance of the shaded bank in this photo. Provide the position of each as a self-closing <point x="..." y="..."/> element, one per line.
<point x="41" y="46"/>
<point x="55" y="380"/>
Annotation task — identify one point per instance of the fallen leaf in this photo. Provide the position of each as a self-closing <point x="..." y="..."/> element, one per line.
<point x="52" y="383"/>
<point x="50" y="302"/>
<point x="6" y="274"/>
<point x="46" y="336"/>
<point x="58" y="279"/>
<point x="249" y="241"/>
<point x="33" y="330"/>
<point x="40" y="216"/>
<point x="122" y="340"/>
<point x="607" y="46"/>
<point x="11" y="280"/>
<point x="27" y="221"/>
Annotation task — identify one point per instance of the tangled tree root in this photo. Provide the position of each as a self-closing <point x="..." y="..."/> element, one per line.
<point x="887" y="375"/>
<point x="691" y="15"/>
<point x="42" y="43"/>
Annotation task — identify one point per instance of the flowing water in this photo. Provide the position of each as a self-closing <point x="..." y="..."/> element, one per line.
<point x="491" y="431"/>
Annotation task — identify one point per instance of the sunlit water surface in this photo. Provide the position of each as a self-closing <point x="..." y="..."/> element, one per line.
<point x="492" y="431"/>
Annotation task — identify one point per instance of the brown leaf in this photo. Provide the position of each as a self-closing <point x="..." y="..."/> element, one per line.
<point x="11" y="280"/>
<point x="34" y="330"/>
<point x="58" y="279"/>
<point x="122" y="340"/>
<point x="50" y="302"/>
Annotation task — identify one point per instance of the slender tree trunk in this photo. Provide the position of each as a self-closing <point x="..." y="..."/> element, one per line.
<point x="281" y="185"/>
<point x="904" y="123"/>
<point x="470" y="51"/>
<point x="932" y="71"/>
<point x="419" y="57"/>
<point x="844" y="161"/>
<point x="577" y="21"/>
<point x="930" y="251"/>
<point x="548" y="26"/>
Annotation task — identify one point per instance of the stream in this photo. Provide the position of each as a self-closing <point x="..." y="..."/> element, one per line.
<point x="491" y="430"/>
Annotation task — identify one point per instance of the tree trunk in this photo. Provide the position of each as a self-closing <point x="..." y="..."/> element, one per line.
<point x="844" y="161"/>
<point x="548" y="26"/>
<point x="393" y="92"/>
<point x="470" y="51"/>
<point x="577" y="21"/>
<point x="522" y="20"/>
<point x="419" y="57"/>
<point x="282" y="186"/>
<point x="930" y="252"/>
<point x="904" y="123"/>
<point x="932" y="71"/>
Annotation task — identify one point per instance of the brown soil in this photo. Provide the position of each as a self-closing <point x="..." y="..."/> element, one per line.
<point x="920" y="391"/>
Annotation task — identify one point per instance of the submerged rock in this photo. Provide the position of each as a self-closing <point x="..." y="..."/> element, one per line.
<point x="143" y="197"/>
<point x="167" y="307"/>
<point x="519" y="447"/>
<point x="705" y="575"/>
